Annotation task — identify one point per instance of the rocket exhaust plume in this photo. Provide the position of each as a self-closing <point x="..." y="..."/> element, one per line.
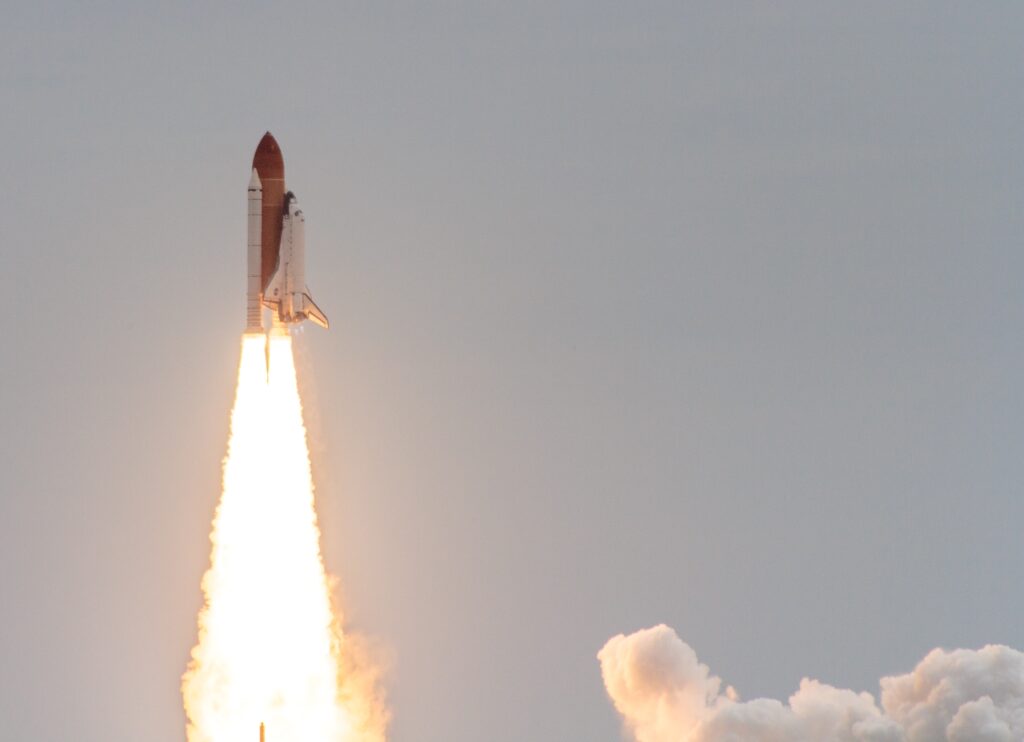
<point x="270" y="644"/>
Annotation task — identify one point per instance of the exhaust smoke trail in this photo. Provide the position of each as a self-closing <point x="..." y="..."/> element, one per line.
<point x="270" y="644"/>
<point x="665" y="694"/>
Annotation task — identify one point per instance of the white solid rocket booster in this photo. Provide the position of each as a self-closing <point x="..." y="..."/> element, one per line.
<point x="253" y="305"/>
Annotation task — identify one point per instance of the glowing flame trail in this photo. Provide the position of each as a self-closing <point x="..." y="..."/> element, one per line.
<point x="270" y="649"/>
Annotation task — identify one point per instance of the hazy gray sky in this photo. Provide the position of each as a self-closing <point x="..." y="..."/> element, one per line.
<point x="699" y="314"/>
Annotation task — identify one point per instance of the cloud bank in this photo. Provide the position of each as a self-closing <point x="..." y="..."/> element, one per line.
<point x="665" y="694"/>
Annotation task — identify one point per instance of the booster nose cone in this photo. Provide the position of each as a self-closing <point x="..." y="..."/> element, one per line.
<point x="268" y="161"/>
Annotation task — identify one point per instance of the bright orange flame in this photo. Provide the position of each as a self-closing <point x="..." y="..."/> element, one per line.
<point x="270" y="649"/>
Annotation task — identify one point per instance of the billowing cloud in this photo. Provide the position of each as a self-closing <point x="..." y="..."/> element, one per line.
<point x="665" y="694"/>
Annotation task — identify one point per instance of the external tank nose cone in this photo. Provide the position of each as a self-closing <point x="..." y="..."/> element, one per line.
<point x="268" y="161"/>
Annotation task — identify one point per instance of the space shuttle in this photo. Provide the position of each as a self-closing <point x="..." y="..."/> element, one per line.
<point x="277" y="247"/>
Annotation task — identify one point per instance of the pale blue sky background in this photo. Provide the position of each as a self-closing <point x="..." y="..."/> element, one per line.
<point x="699" y="314"/>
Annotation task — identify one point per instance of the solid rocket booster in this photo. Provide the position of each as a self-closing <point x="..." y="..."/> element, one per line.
<point x="254" y="285"/>
<point x="276" y="246"/>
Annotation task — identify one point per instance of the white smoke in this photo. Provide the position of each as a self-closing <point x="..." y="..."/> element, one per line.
<point x="665" y="694"/>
